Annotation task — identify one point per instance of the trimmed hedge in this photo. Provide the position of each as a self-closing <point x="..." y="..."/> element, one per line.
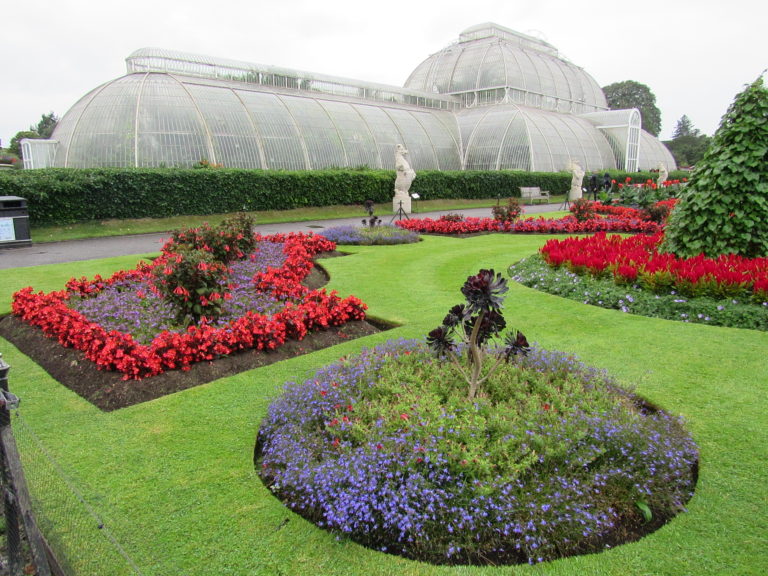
<point x="67" y="195"/>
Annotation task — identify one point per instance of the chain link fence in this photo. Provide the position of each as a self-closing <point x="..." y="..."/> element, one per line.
<point x="50" y="527"/>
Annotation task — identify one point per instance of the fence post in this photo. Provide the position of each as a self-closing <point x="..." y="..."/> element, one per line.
<point x="18" y="506"/>
<point x="9" y="499"/>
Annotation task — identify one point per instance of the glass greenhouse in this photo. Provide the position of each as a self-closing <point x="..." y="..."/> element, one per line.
<point x="494" y="100"/>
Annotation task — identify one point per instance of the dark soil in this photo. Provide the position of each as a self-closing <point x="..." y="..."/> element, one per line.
<point x="108" y="391"/>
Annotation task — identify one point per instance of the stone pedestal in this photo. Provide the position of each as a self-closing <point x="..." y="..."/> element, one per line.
<point x="406" y="203"/>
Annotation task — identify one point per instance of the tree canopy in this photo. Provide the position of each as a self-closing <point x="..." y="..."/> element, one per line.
<point x="46" y="125"/>
<point x="631" y="94"/>
<point x="684" y="127"/>
<point x="43" y="129"/>
<point x="688" y="144"/>
<point x="725" y="206"/>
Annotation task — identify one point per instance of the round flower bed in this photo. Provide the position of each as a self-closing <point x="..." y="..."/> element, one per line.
<point x="385" y="234"/>
<point x="549" y="459"/>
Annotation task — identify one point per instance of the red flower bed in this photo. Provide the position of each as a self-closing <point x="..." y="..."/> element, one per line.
<point x="305" y="311"/>
<point x="629" y="220"/>
<point x="637" y="259"/>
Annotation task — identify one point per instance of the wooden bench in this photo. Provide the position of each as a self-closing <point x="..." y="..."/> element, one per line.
<point x="530" y="194"/>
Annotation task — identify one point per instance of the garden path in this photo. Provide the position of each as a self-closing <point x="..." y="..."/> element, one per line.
<point x="89" y="249"/>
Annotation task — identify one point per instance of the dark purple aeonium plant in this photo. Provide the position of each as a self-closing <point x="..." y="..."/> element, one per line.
<point x="476" y="324"/>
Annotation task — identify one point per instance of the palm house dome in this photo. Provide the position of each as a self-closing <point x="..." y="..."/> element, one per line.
<point x="495" y="99"/>
<point x="492" y="64"/>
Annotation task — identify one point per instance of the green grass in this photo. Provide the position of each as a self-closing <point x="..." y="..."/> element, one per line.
<point x="97" y="229"/>
<point x="174" y="481"/>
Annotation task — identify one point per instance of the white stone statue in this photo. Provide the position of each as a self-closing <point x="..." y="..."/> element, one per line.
<point x="663" y="175"/>
<point x="577" y="179"/>
<point x="403" y="178"/>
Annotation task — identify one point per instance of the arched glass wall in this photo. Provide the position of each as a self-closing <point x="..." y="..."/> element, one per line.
<point x="495" y="99"/>
<point x="156" y="119"/>
<point x="622" y="129"/>
<point x="515" y="138"/>
<point x="653" y="152"/>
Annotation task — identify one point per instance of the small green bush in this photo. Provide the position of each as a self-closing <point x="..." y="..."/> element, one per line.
<point x="725" y="206"/>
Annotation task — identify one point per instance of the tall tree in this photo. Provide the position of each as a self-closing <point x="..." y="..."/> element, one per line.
<point x="725" y="206"/>
<point x="43" y="129"/>
<point x="684" y="127"/>
<point x="631" y="94"/>
<point x="688" y="144"/>
<point x="46" y="125"/>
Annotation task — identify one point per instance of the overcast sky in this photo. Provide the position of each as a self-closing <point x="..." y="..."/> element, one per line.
<point x="694" y="55"/>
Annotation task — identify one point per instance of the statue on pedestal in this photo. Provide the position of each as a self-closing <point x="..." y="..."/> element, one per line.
<point x="663" y="175"/>
<point x="404" y="176"/>
<point x="577" y="179"/>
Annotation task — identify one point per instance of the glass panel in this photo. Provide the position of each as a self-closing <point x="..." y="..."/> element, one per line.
<point x="105" y="130"/>
<point x="283" y="148"/>
<point x="170" y="130"/>
<point x="444" y="134"/>
<point x="384" y="131"/>
<point x="415" y="139"/>
<point x="465" y="72"/>
<point x="515" y="153"/>
<point x="484" y="146"/>
<point x="235" y="142"/>
<point x="358" y="141"/>
<point x="322" y="141"/>
<point x="492" y="69"/>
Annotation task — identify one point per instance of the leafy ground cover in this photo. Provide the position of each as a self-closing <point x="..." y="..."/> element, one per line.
<point x="173" y="479"/>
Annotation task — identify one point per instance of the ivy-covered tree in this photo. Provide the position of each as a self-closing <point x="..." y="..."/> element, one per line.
<point x="725" y="206"/>
<point x="631" y="94"/>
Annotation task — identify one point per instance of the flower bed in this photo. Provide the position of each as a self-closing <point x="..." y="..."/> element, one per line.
<point x="553" y="459"/>
<point x="370" y="235"/>
<point x="637" y="259"/>
<point x="293" y="311"/>
<point x="628" y="220"/>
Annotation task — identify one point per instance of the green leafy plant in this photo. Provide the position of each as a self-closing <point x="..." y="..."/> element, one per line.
<point x="193" y="281"/>
<point x="231" y="240"/>
<point x="508" y="213"/>
<point x="583" y="210"/>
<point x="476" y="323"/>
<point x="657" y="212"/>
<point x="451" y="218"/>
<point x="725" y="206"/>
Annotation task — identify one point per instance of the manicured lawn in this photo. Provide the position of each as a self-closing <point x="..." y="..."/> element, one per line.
<point x="174" y="482"/>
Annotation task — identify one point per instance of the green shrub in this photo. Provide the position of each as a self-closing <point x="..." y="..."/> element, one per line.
<point x="193" y="281"/>
<point x="61" y="196"/>
<point x="508" y="213"/>
<point x="583" y="210"/>
<point x="725" y="206"/>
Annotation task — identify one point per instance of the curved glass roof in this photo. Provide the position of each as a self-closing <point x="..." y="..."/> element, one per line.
<point x="153" y="119"/>
<point x="495" y="99"/>
<point x="491" y="64"/>
<point x="653" y="151"/>
<point x="511" y="137"/>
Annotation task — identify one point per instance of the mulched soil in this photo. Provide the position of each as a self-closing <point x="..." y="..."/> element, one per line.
<point x="108" y="391"/>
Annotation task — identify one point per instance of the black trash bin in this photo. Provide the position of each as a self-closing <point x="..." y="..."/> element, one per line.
<point x="14" y="222"/>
